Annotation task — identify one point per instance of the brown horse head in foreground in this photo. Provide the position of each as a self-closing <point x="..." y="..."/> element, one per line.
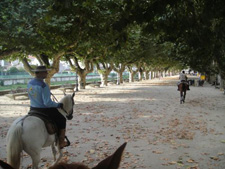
<point x="111" y="162"/>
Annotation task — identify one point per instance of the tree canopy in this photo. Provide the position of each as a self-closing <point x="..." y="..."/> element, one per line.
<point x="170" y="33"/>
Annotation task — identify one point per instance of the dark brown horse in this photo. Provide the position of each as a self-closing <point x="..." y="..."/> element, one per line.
<point x="182" y="87"/>
<point x="111" y="162"/>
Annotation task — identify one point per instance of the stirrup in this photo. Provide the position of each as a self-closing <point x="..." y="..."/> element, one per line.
<point x="67" y="143"/>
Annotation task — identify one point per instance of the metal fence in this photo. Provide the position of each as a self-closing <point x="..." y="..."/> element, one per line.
<point x="7" y="80"/>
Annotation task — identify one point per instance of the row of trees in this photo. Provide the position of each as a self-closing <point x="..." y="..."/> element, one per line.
<point x="151" y="35"/>
<point x="11" y="71"/>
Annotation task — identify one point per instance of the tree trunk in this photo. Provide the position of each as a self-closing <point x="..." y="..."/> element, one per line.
<point x="146" y="74"/>
<point x="222" y="77"/>
<point x="48" y="80"/>
<point x="119" y="80"/>
<point x="81" y="70"/>
<point x="150" y="75"/>
<point x="119" y="70"/>
<point x="131" y="76"/>
<point x="131" y="73"/>
<point x="164" y="74"/>
<point x="104" y="72"/>
<point x="140" y="75"/>
<point x="82" y="80"/>
<point x="221" y="84"/>
<point x="104" y="77"/>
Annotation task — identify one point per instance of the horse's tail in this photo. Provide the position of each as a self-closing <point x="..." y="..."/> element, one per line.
<point x="184" y="87"/>
<point x="14" y="145"/>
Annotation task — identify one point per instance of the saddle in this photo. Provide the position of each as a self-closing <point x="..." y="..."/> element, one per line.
<point x="49" y="124"/>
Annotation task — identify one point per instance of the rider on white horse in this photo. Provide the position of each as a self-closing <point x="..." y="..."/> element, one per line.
<point x="183" y="79"/>
<point x="40" y="100"/>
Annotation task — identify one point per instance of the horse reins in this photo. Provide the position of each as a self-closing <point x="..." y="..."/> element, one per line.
<point x="69" y="116"/>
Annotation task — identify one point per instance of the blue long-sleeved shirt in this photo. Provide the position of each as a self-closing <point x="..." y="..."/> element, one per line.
<point x="39" y="94"/>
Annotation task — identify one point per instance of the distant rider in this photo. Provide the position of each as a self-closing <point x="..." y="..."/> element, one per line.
<point x="183" y="79"/>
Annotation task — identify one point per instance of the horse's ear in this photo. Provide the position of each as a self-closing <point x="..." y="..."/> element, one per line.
<point x="73" y="94"/>
<point x="4" y="165"/>
<point x="113" y="161"/>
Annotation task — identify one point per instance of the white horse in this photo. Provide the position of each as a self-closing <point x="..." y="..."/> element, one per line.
<point x="29" y="133"/>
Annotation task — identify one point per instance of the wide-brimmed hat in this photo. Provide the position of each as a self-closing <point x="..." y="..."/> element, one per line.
<point x="41" y="69"/>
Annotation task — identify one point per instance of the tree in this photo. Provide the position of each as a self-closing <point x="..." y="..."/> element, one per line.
<point x="82" y="68"/>
<point x="49" y="29"/>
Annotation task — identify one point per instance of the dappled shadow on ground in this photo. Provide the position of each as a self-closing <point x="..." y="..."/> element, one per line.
<point x="160" y="132"/>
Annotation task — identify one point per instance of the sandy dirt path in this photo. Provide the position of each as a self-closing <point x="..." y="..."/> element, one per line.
<point x="161" y="133"/>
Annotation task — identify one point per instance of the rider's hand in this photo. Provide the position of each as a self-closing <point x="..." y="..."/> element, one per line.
<point x="60" y="105"/>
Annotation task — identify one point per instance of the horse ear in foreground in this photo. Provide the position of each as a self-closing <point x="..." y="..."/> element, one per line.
<point x="29" y="133"/>
<point x="111" y="162"/>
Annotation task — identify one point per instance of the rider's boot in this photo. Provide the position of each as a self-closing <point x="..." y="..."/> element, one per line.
<point x="188" y="87"/>
<point x="62" y="142"/>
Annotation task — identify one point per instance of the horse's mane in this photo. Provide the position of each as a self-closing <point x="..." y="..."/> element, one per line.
<point x="65" y="98"/>
<point x="63" y="165"/>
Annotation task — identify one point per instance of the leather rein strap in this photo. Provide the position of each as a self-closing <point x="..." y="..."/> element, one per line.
<point x="68" y="115"/>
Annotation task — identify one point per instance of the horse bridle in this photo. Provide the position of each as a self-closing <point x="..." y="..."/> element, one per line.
<point x="70" y="114"/>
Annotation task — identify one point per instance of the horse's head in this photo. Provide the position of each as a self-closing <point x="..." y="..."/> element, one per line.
<point x="68" y="103"/>
<point x="111" y="162"/>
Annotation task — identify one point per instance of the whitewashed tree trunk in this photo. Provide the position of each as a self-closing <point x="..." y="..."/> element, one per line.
<point x="81" y="69"/>
<point x="144" y="76"/>
<point x="119" y="69"/>
<point x="119" y="78"/>
<point x="147" y="75"/>
<point x="131" y="73"/>
<point x="131" y="76"/>
<point x="159" y="75"/>
<point x="104" y="79"/>
<point x="150" y="75"/>
<point x="104" y="72"/>
<point x="139" y="76"/>
<point x="164" y="74"/>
